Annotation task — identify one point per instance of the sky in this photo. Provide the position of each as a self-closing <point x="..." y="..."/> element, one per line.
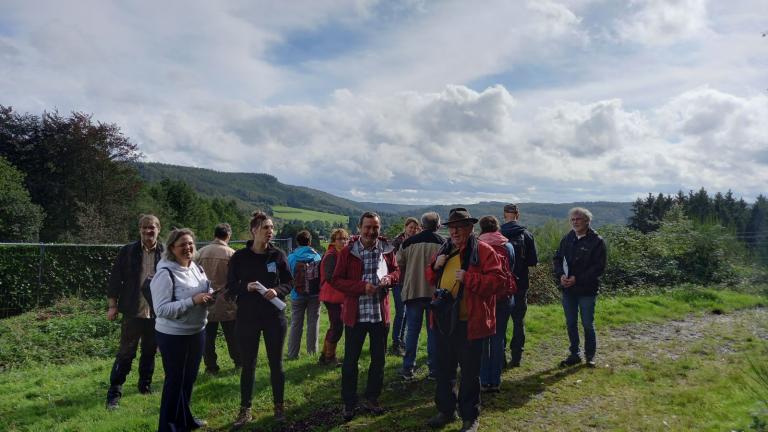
<point x="415" y="101"/>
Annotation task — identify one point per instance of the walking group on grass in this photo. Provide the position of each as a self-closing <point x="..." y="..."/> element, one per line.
<point x="464" y="288"/>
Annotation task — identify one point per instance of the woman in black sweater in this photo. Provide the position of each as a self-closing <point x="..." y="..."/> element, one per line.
<point x="260" y="261"/>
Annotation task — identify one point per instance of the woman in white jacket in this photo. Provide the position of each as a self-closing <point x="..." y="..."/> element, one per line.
<point x="180" y="293"/>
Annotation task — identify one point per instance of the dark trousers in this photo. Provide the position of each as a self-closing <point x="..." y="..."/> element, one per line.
<point x="398" y="322"/>
<point x="353" y="346"/>
<point x="181" y="360"/>
<point x="455" y="350"/>
<point x="517" y="344"/>
<point x="133" y="331"/>
<point x="211" y="331"/>
<point x="248" y="337"/>
<point x="335" y="324"/>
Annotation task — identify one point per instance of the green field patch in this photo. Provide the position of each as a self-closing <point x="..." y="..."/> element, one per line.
<point x="293" y="213"/>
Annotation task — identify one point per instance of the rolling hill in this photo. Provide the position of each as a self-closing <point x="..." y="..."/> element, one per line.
<point x="259" y="190"/>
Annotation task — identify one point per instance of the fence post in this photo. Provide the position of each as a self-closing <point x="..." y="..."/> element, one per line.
<point x="40" y="274"/>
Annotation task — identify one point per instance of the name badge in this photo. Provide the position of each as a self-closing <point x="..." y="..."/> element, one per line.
<point x="272" y="267"/>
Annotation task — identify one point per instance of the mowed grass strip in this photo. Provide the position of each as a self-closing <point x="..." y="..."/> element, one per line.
<point x="666" y="362"/>
<point x="293" y="213"/>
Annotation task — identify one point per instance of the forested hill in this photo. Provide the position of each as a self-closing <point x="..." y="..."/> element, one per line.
<point x="252" y="189"/>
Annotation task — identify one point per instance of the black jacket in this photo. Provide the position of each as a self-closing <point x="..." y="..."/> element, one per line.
<point x="527" y="257"/>
<point x="586" y="258"/>
<point x="271" y="269"/>
<point x="124" y="284"/>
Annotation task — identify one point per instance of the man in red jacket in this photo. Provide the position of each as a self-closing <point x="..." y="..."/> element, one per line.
<point x="472" y="273"/>
<point x="365" y="269"/>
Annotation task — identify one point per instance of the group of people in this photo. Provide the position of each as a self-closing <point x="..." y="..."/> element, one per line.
<point x="465" y="287"/>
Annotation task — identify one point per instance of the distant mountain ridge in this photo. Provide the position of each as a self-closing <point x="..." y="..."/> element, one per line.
<point x="259" y="190"/>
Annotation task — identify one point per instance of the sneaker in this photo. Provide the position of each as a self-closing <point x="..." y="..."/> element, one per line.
<point x="373" y="406"/>
<point x="397" y="350"/>
<point x="348" y="413"/>
<point x="279" y="412"/>
<point x="591" y="363"/>
<point x="470" y="425"/>
<point x="145" y="389"/>
<point x="113" y="402"/>
<point x="441" y="419"/>
<point x="243" y="417"/>
<point x="570" y="361"/>
<point x="406" y="374"/>
<point x="198" y="423"/>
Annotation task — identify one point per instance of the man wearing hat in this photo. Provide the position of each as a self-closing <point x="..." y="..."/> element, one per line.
<point x="472" y="273"/>
<point x="525" y="256"/>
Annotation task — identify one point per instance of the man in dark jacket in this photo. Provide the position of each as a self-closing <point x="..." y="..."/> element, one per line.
<point x="472" y="272"/>
<point x="525" y="256"/>
<point x="365" y="270"/>
<point x="134" y="266"/>
<point x="578" y="264"/>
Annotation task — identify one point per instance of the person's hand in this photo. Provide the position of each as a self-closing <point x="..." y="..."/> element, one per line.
<point x="571" y="281"/>
<point x="202" y="298"/>
<point x="460" y="275"/>
<point x="385" y="281"/>
<point x="440" y="261"/>
<point x="251" y="287"/>
<point x="112" y="313"/>
<point x="370" y="289"/>
<point x="564" y="281"/>
<point x="270" y="294"/>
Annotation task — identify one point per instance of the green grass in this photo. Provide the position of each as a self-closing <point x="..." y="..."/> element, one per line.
<point x="292" y="213"/>
<point x="690" y="379"/>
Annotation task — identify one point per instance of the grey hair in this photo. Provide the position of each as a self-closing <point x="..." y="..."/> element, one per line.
<point x="173" y="237"/>
<point x="582" y="211"/>
<point x="430" y="221"/>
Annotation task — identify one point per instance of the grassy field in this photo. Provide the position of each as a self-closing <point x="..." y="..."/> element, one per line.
<point x="292" y="213"/>
<point x="673" y="361"/>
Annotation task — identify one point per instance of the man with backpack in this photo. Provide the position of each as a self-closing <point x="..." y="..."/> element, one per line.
<point x="304" y="263"/>
<point x="525" y="256"/>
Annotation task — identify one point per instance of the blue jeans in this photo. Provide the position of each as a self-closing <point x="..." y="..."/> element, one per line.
<point x="398" y="323"/>
<point x="494" y="347"/>
<point x="416" y="312"/>
<point x="517" y="345"/>
<point x="573" y="305"/>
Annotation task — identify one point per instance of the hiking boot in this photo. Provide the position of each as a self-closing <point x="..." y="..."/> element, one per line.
<point x="213" y="370"/>
<point x="348" y="413"/>
<point x="198" y="423"/>
<point x="373" y="406"/>
<point x="145" y="388"/>
<point x="441" y="419"/>
<point x="571" y="360"/>
<point x="406" y="374"/>
<point x="397" y="349"/>
<point x="591" y="362"/>
<point x="470" y="425"/>
<point x="243" y="417"/>
<point x="279" y="412"/>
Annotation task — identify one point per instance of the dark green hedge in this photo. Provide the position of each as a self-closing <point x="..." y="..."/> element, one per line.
<point x="31" y="279"/>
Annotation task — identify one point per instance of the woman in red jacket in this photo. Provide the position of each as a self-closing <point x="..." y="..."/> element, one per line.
<point x="332" y="298"/>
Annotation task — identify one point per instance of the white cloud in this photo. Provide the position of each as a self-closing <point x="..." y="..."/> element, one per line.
<point x="657" y="22"/>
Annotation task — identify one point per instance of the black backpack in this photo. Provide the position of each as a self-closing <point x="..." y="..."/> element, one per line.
<point x="518" y="243"/>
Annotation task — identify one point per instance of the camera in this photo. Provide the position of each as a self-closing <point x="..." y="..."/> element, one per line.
<point x="443" y="300"/>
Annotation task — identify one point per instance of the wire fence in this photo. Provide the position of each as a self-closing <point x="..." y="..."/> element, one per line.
<point x="36" y="274"/>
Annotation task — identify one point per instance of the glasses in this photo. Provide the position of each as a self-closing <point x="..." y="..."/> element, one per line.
<point x="577" y="219"/>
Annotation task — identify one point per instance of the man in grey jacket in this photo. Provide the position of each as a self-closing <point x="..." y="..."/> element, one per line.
<point x="412" y="258"/>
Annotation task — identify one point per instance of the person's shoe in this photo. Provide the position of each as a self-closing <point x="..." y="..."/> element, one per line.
<point x="243" y="417"/>
<point x="372" y="405"/>
<point x="212" y="370"/>
<point x="470" y="425"/>
<point x="493" y="388"/>
<point x="348" y="413"/>
<point x="441" y="419"/>
<point x="279" y="412"/>
<point x="113" y="402"/>
<point x="198" y="423"/>
<point x="145" y="388"/>
<point x="432" y="375"/>
<point x="406" y="374"/>
<point x="570" y="361"/>
<point x="591" y="362"/>
<point x="397" y="349"/>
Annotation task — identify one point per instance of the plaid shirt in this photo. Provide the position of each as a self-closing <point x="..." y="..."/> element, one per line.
<point x="369" y="306"/>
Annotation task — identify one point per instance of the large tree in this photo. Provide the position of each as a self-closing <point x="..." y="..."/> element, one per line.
<point x="79" y="170"/>
<point x="20" y="218"/>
